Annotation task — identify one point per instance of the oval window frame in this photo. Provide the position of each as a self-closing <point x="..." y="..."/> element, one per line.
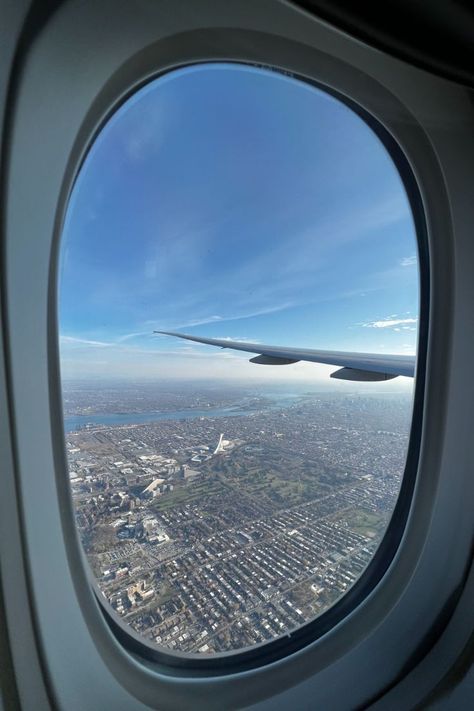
<point x="263" y="653"/>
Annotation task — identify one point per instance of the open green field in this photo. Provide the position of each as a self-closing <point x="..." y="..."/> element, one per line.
<point x="189" y="492"/>
<point x="366" y="523"/>
<point x="270" y="478"/>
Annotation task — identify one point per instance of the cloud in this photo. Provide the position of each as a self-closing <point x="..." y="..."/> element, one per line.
<point x="73" y="340"/>
<point x="295" y="260"/>
<point x="408" y="261"/>
<point x="147" y="137"/>
<point x="395" y="323"/>
<point x="156" y="325"/>
<point x="130" y="336"/>
<point x="304" y="258"/>
<point x="240" y="316"/>
<point x="121" y="349"/>
<point x="200" y="321"/>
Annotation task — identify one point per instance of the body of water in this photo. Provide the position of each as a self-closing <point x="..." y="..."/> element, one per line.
<point x="75" y="422"/>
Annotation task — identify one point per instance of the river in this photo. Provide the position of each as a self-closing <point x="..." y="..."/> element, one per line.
<point x="75" y="422"/>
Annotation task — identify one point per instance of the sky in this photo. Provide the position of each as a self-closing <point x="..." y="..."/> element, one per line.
<point x="234" y="202"/>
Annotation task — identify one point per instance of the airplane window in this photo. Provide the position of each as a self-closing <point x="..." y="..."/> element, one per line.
<point x="223" y="503"/>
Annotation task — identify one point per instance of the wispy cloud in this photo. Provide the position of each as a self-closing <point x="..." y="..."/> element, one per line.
<point x="147" y="136"/>
<point x="294" y="267"/>
<point x="297" y="259"/>
<point x="120" y="348"/>
<point x="131" y="336"/>
<point x="408" y="261"/>
<point x="223" y="319"/>
<point x="396" y="324"/>
<point x="199" y="322"/>
<point x="73" y="340"/>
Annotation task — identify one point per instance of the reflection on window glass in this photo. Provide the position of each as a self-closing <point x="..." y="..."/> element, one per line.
<point x="222" y="504"/>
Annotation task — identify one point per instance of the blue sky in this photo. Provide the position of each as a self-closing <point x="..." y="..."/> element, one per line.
<point x="231" y="201"/>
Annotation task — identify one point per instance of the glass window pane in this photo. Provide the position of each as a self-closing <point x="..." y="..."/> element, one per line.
<point x="222" y="503"/>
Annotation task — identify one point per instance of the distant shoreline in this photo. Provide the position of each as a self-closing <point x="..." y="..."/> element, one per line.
<point x="73" y="423"/>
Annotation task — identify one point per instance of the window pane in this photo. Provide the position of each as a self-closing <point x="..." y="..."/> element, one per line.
<point x="221" y="503"/>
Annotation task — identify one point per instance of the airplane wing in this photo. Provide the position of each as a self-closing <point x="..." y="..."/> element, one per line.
<point x="352" y="366"/>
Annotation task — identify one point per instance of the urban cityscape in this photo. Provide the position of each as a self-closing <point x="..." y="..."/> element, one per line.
<point x="219" y="517"/>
